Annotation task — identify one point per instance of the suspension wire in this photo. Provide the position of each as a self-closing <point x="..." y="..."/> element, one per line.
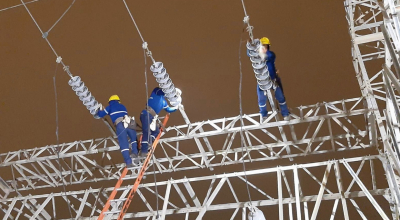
<point x="241" y="113"/>
<point x="65" y="12"/>
<point x="4" y="9"/>
<point x="144" y="45"/>
<point x="244" y="9"/>
<point x="56" y="101"/>
<point x="134" y="22"/>
<point x="66" y="68"/>
<point x="146" y="53"/>
<point x="246" y="19"/>
<point x="148" y="129"/>
<point x="58" y="142"/>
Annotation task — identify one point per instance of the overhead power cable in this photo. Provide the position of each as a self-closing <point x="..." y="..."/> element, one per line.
<point x="65" y="12"/>
<point x="160" y="73"/>
<point x="15" y="6"/>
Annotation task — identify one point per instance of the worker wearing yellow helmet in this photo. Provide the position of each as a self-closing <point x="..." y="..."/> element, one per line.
<point x="266" y="54"/>
<point x="125" y="127"/>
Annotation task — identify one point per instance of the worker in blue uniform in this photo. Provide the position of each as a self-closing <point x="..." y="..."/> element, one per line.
<point x="149" y="116"/>
<point x="118" y="113"/>
<point x="262" y="97"/>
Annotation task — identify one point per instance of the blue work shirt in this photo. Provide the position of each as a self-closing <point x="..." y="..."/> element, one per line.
<point x="114" y="110"/>
<point x="157" y="101"/>
<point x="270" y="61"/>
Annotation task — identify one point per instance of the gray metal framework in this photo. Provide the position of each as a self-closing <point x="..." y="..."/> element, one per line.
<point x="369" y="121"/>
<point x="314" y="129"/>
<point x="344" y="182"/>
<point x="375" y="29"/>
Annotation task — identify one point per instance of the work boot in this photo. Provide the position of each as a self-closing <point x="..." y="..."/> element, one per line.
<point x="286" y="118"/>
<point x="144" y="154"/>
<point x="135" y="159"/>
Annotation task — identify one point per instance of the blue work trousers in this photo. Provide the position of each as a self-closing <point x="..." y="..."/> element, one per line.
<point x="123" y="134"/>
<point x="148" y="136"/>
<point x="279" y="96"/>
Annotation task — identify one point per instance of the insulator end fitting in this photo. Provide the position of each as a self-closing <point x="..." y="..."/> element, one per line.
<point x="165" y="83"/>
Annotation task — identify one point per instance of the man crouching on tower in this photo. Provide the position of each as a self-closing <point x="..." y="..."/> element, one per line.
<point x="124" y="125"/>
<point x="149" y="116"/>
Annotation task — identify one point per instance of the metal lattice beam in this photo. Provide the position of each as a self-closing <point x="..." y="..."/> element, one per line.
<point x="374" y="28"/>
<point x="222" y="193"/>
<point x="315" y="129"/>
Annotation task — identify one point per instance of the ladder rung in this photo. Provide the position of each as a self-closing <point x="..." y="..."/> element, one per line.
<point x="130" y="177"/>
<point x="118" y="200"/>
<point x="122" y="188"/>
<point x="112" y="212"/>
<point x="134" y="168"/>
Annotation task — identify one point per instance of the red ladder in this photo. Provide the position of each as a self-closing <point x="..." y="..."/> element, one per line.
<point x="137" y="182"/>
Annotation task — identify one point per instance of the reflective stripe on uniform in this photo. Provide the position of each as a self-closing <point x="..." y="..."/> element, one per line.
<point x="262" y="105"/>
<point x="133" y="142"/>
<point x="106" y="111"/>
<point x="118" y="112"/>
<point x="282" y="103"/>
<point x="143" y="142"/>
<point x="124" y="150"/>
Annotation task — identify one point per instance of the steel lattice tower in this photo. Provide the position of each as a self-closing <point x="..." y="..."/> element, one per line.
<point x="365" y="184"/>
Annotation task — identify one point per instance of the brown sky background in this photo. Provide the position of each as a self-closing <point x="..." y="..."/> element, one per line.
<point x="198" y="42"/>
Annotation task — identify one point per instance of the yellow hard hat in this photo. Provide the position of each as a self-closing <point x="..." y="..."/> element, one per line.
<point x="265" y="40"/>
<point x="114" y="97"/>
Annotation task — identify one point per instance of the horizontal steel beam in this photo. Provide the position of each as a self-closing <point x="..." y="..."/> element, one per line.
<point x="224" y="191"/>
<point x="91" y="160"/>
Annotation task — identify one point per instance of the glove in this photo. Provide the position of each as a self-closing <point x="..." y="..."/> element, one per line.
<point x="175" y="107"/>
<point x="126" y="121"/>
<point x="153" y="124"/>
<point x="96" y="116"/>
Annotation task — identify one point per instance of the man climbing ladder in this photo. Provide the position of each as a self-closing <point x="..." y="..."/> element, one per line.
<point x="149" y="116"/>
<point x="269" y="56"/>
<point x="124" y="125"/>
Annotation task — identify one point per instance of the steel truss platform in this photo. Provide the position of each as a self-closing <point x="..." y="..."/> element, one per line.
<point x="344" y="182"/>
<point x="315" y="129"/>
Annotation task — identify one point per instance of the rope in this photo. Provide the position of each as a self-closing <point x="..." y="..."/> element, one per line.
<point x="58" y="142"/>
<point x="148" y="131"/>
<point x="241" y="112"/>
<point x="4" y="9"/>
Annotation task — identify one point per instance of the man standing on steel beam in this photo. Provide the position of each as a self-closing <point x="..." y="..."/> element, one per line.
<point x="124" y="125"/>
<point x="269" y="56"/>
<point x="149" y="116"/>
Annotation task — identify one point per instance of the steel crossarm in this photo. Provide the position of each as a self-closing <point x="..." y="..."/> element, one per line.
<point x="94" y="160"/>
<point x="327" y="177"/>
<point x="375" y="33"/>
